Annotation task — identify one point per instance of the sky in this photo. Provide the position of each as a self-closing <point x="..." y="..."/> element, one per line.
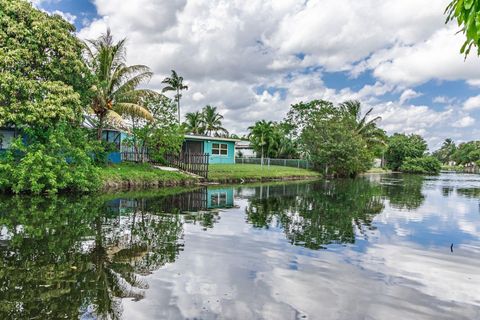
<point x="254" y="58"/>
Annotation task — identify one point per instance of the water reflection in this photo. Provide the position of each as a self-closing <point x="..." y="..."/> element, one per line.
<point x="247" y="252"/>
<point x="315" y="215"/>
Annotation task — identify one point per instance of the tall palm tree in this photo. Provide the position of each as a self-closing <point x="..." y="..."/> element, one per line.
<point x="366" y="128"/>
<point x="115" y="90"/>
<point x="175" y="83"/>
<point x="194" y="122"/>
<point x="261" y="136"/>
<point x="213" y="121"/>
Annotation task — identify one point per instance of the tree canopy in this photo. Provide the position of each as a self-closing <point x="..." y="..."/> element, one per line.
<point x="467" y="15"/>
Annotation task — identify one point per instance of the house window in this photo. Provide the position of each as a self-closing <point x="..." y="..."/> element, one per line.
<point x="220" y="149"/>
<point x="219" y="199"/>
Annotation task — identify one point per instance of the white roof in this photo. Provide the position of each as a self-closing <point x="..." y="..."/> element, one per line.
<point x="201" y="137"/>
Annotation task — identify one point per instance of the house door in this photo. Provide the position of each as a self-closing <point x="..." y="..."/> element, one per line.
<point x="192" y="147"/>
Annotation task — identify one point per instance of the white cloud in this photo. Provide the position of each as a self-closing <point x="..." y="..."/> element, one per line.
<point x="408" y="94"/>
<point x="464" y="122"/>
<point x="65" y="15"/>
<point x="472" y="103"/>
<point x="226" y="50"/>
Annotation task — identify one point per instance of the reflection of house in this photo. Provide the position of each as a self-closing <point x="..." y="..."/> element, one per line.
<point x="220" y="198"/>
<point x="221" y="150"/>
<point x="193" y="201"/>
<point x="245" y="149"/>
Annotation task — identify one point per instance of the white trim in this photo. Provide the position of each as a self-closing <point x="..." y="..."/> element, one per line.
<point x="192" y="136"/>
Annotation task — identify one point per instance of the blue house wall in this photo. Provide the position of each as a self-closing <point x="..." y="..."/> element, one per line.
<point x="207" y="147"/>
<point x="220" y="159"/>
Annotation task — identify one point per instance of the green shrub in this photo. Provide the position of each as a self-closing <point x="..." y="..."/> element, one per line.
<point x="424" y="165"/>
<point x="58" y="161"/>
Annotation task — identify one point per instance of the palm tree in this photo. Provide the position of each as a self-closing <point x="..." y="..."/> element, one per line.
<point x="261" y="136"/>
<point x="368" y="129"/>
<point x="194" y="122"/>
<point x="115" y="90"/>
<point x="213" y="121"/>
<point x="175" y="83"/>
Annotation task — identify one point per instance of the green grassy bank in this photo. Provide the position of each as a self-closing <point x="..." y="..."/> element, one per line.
<point x="226" y="173"/>
<point x="129" y="175"/>
<point x="132" y="175"/>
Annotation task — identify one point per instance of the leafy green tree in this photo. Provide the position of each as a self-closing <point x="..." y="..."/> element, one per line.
<point x="212" y="121"/>
<point x="194" y="123"/>
<point x="467" y="152"/>
<point x="158" y="136"/>
<point x="261" y="137"/>
<point x="368" y="129"/>
<point x="43" y="78"/>
<point x="115" y="91"/>
<point x="446" y="151"/>
<point x="402" y="146"/>
<point x="467" y="14"/>
<point x="44" y="84"/>
<point x="334" y="146"/>
<point x="175" y="83"/>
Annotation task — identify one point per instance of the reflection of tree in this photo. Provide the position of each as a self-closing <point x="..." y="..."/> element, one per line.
<point x="404" y="191"/>
<point x="64" y="257"/>
<point x="469" y="192"/>
<point x="319" y="214"/>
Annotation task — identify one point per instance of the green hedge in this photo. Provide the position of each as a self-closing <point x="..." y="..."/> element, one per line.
<point x="424" y="165"/>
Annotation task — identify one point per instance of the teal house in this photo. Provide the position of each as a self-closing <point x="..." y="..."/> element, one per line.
<point x="219" y="198"/>
<point x="221" y="150"/>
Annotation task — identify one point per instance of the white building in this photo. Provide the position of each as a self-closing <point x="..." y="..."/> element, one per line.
<point x="244" y="149"/>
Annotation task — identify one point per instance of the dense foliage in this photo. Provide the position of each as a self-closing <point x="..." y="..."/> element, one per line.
<point x="467" y="14"/>
<point x="44" y="83"/>
<point x="402" y="146"/>
<point x="466" y="153"/>
<point x="339" y="140"/>
<point x="51" y="160"/>
<point x="208" y="121"/>
<point x="425" y="165"/>
<point x="158" y="136"/>
<point x="446" y="152"/>
<point x="273" y="140"/>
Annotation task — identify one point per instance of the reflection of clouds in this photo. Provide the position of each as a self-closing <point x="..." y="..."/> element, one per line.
<point x="233" y="272"/>
<point x="441" y="274"/>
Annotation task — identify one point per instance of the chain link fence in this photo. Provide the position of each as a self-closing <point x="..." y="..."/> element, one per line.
<point x="295" y="163"/>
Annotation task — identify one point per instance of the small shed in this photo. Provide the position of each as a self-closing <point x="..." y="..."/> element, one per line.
<point x="221" y="150"/>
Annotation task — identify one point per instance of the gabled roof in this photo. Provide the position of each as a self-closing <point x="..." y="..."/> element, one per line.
<point x="202" y="137"/>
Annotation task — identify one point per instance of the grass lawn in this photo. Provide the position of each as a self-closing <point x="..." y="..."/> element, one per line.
<point x="226" y="172"/>
<point x="140" y="174"/>
<point x="378" y="170"/>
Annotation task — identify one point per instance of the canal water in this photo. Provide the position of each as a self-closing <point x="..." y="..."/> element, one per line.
<point x="377" y="247"/>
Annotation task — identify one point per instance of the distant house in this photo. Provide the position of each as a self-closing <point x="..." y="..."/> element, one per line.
<point x="7" y="135"/>
<point x="116" y="137"/>
<point x="245" y="149"/>
<point x="221" y="150"/>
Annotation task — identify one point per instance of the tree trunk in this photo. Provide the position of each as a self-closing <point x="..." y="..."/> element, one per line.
<point x="100" y="129"/>
<point x="178" y="105"/>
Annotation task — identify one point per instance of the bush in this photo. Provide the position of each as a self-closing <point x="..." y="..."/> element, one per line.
<point x="58" y="161"/>
<point x="423" y="165"/>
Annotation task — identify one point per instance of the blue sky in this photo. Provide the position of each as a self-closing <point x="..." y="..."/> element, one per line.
<point x="255" y="58"/>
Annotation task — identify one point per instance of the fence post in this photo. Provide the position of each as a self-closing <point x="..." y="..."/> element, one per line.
<point x="284" y="162"/>
<point x="298" y="163"/>
<point x="268" y="163"/>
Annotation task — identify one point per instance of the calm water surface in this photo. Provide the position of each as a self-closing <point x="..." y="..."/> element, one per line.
<point x="379" y="247"/>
